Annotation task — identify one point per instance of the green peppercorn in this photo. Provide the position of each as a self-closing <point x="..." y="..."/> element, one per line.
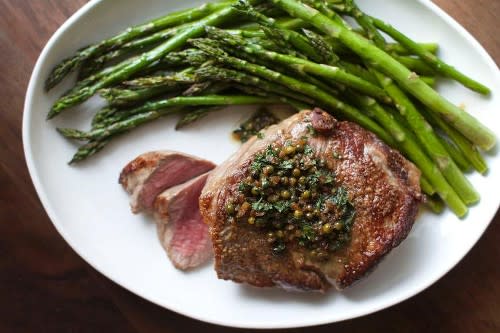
<point x="305" y="195"/>
<point x="338" y="226"/>
<point x="327" y="228"/>
<point x="298" y="214"/>
<point x="285" y="194"/>
<point x="275" y="180"/>
<point x="251" y="220"/>
<point x="302" y="180"/>
<point x="255" y="191"/>
<point x="292" y="181"/>
<point x="230" y="208"/>
<point x="264" y="182"/>
<point x="290" y="150"/>
<point x="268" y="170"/>
<point x="296" y="172"/>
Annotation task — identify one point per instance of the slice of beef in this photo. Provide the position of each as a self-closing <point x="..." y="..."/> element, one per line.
<point x="151" y="173"/>
<point x="181" y="229"/>
<point x="381" y="184"/>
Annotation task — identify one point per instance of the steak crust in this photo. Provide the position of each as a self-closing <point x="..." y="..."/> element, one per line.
<point x="381" y="184"/>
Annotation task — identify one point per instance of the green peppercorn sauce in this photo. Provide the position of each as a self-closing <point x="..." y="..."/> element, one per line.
<point x="292" y="198"/>
<point x="257" y="122"/>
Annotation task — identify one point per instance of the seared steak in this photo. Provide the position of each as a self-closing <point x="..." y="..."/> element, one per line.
<point x="181" y="229"/>
<point x="313" y="239"/>
<point x="151" y="173"/>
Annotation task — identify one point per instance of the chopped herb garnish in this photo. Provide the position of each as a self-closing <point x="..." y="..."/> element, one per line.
<point x="311" y="130"/>
<point x="261" y="206"/>
<point x="293" y="197"/>
<point x="286" y="165"/>
<point x="282" y="206"/>
<point x="308" y="150"/>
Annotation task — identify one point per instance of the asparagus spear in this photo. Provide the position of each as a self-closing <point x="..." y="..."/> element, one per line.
<point x="115" y="115"/>
<point x="322" y="46"/>
<point x="330" y="72"/>
<point x="415" y="65"/>
<point x="130" y="67"/>
<point x="430" y="141"/>
<point x="248" y="88"/>
<point x="426" y="187"/>
<point x="468" y="150"/>
<point x="277" y="34"/>
<point x="159" y="80"/>
<point x="457" y="156"/>
<point x="119" y="97"/>
<point x="434" y="203"/>
<point x="89" y="149"/>
<point x="140" y="44"/>
<point x="396" y="48"/>
<point x="152" y="110"/>
<point x="465" y="123"/>
<point x="195" y="115"/>
<point x="93" y="65"/>
<point x="366" y="23"/>
<point x="228" y="75"/>
<point x="437" y="64"/>
<point x="455" y="153"/>
<point x="176" y="18"/>
<point x="347" y="111"/>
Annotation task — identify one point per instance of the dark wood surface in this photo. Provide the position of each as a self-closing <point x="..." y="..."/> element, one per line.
<point x="45" y="286"/>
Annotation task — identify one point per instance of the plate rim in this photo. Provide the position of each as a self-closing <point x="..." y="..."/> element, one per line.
<point x="43" y="197"/>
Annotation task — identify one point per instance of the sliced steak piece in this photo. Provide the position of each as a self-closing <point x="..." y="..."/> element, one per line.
<point x="375" y="199"/>
<point x="181" y="229"/>
<point x="151" y="173"/>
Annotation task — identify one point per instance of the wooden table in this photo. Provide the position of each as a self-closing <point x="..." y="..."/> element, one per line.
<point x="45" y="286"/>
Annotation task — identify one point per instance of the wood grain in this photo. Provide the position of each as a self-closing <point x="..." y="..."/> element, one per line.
<point x="45" y="286"/>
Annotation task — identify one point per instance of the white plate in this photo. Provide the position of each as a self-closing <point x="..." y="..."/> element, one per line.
<point x="90" y="209"/>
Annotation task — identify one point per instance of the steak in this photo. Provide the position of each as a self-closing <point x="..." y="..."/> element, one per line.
<point x="181" y="229"/>
<point x="376" y="195"/>
<point x="151" y="173"/>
